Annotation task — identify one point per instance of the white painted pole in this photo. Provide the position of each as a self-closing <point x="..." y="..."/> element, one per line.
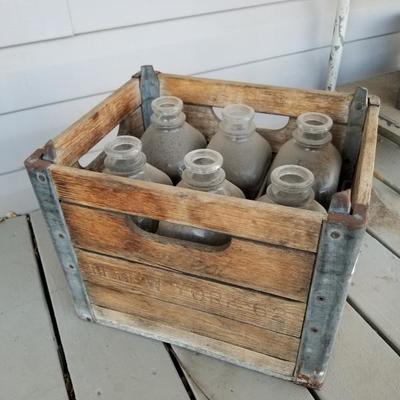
<point x="339" y="32"/>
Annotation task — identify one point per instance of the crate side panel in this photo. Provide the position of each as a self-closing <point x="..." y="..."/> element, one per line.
<point x="224" y="329"/>
<point x="192" y="341"/>
<point x="271" y="269"/>
<point x="268" y="312"/>
<point x="248" y="219"/>
<point x="268" y="99"/>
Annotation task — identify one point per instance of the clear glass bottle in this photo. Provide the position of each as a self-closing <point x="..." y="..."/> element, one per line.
<point x="124" y="157"/>
<point x="246" y="153"/>
<point x="292" y="186"/>
<point x="203" y="171"/>
<point x="311" y="148"/>
<point x="169" y="138"/>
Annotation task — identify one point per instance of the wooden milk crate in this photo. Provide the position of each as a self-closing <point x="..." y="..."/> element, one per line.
<point x="271" y="299"/>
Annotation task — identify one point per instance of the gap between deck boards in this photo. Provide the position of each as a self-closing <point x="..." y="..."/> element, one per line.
<point x="60" y="350"/>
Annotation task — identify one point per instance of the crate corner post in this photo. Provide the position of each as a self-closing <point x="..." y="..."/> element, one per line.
<point x="339" y="246"/>
<point x="42" y="183"/>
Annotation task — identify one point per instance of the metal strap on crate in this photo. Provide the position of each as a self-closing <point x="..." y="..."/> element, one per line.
<point x="339" y="246"/>
<point x="50" y="206"/>
<point x="149" y="89"/>
<point x="352" y="143"/>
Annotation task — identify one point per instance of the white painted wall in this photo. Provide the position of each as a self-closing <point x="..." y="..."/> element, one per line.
<point x="58" y="58"/>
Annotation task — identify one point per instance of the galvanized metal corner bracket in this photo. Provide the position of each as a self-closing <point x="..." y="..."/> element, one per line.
<point x="46" y="194"/>
<point x="339" y="246"/>
<point x="149" y="90"/>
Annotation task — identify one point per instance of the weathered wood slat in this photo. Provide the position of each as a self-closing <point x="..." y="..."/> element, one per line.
<point x="268" y="99"/>
<point x="102" y="362"/>
<point x="269" y="223"/>
<point x="30" y="367"/>
<point x="68" y="147"/>
<point x="361" y="191"/>
<point x="205" y="345"/>
<point x="250" y="307"/>
<point x="219" y="328"/>
<point x="270" y="269"/>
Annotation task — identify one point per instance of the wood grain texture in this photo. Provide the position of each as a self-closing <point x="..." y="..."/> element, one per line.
<point x="223" y="329"/>
<point x="265" y="268"/>
<point x="362" y="187"/>
<point x="190" y="340"/>
<point x="273" y="313"/>
<point x="79" y="138"/>
<point x="268" y="99"/>
<point x="249" y="219"/>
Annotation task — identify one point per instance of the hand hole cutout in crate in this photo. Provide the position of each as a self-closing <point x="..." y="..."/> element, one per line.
<point x="146" y="226"/>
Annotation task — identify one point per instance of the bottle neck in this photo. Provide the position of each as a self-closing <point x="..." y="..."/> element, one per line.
<point x="291" y="185"/>
<point x="203" y="170"/>
<point x="167" y="113"/>
<point x="313" y="130"/>
<point x="125" y="158"/>
<point x="237" y="122"/>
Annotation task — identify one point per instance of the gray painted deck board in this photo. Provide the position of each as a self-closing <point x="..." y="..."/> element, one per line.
<point x="375" y="289"/>
<point x="104" y="362"/>
<point x="29" y="364"/>
<point x="363" y="366"/>
<point x="384" y="215"/>
<point x="387" y="162"/>
<point x="218" y="380"/>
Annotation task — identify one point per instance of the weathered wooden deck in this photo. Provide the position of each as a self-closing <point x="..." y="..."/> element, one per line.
<point x="48" y="353"/>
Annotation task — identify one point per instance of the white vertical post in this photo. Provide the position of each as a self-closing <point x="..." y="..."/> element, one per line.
<point x="339" y="32"/>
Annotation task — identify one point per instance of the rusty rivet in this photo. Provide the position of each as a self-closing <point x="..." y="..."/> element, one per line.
<point x="335" y="234"/>
<point x="41" y="177"/>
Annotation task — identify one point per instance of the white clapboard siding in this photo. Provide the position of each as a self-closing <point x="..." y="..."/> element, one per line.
<point x="16" y="193"/>
<point x="94" y="15"/>
<point x="24" y="131"/>
<point x="97" y="62"/>
<point x="25" y="21"/>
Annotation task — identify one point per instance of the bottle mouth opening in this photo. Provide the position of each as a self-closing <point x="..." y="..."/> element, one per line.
<point x="124" y="147"/>
<point x="167" y="105"/>
<point x="238" y="112"/>
<point x="203" y="161"/>
<point x="292" y="178"/>
<point x="314" y="122"/>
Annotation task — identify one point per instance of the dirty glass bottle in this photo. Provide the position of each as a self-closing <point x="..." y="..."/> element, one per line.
<point x="292" y="186"/>
<point x="311" y="148"/>
<point x="169" y="137"/>
<point x="124" y="157"/>
<point x="246" y="153"/>
<point x="203" y="171"/>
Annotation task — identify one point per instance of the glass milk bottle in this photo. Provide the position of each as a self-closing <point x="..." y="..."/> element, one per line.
<point x="311" y="148"/>
<point x="169" y="138"/>
<point x="203" y="171"/>
<point x="124" y="157"/>
<point x="246" y="153"/>
<point x="292" y="186"/>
